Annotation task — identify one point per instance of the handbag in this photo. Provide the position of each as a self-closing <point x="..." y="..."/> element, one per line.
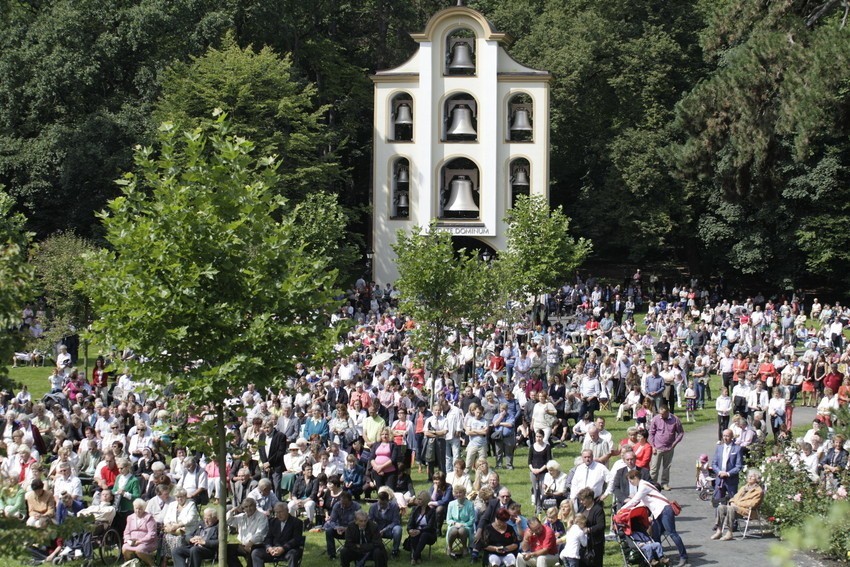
<point x="587" y="555"/>
<point x="675" y="506"/>
<point x="496" y="434"/>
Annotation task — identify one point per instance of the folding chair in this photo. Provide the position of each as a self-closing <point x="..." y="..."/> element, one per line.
<point x="754" y="515"/>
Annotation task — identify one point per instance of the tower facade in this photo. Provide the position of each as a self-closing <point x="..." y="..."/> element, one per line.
<point x="461" y="129"/>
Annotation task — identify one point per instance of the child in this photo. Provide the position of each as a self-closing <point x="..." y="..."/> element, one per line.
<point x="703" y="480"/>
<point x="353" y="477"/>
<point x="652" y="549"/>
<point x="691" y="403"/>
<point x="554" y="523"/>
<point x="576" y="539"/>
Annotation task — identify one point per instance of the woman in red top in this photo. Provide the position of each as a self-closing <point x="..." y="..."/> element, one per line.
<point x="740" y="368"/>
<point x="642" y="450"/>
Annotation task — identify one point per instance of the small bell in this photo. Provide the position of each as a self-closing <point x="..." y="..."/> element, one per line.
<point x="521" y="121"/>
<point x="402" y="201"/>
<point x="402" y="176"/>
<point x="403" y="115"/>
<point x="520" y="177"/>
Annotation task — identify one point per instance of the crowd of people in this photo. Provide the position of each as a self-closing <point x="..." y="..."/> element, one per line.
<point x="339" y="446"/>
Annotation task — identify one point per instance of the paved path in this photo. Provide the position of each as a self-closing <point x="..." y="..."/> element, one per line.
<point x="697" y="517"/>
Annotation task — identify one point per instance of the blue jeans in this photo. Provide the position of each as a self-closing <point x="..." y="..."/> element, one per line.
<point x="452" y="452"/>
<point x="395" y="535"/>
<point x="666" y="524"/>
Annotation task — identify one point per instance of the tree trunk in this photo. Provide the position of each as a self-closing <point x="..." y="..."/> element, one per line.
<point x="221" y="458"/>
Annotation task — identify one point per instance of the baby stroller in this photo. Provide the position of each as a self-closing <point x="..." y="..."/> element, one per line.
<point x="632" y="530"/>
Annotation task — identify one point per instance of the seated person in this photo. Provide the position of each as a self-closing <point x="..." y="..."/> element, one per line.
<point x="304" y="494"/>
<point x="748" y="497"/>
<point x="41" y="508"/>
<point x="353" y="476"/>
<point x="202" y="543"/>
<point x="140" y="540"/>
<point x="342" y="515"/>
<point x="251" y="529"/>
<point x="386" y="515"/>
<point x="284" y="539"/>
<point x="363" y="543"/>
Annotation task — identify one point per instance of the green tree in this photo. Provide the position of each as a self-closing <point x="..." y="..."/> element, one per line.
<point x="208" y="273"/>
<point x="435" y="286"/>
<point x="265" y="101"/>
<point x="79" y="78"/>
<point x="541" y="254"/>
<point x="16" y="275"/>
<point x="761" y="143"/>
<point x="59" y="264"/>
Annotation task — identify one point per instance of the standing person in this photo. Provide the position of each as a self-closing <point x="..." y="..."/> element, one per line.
<point x="665" y="432"/>
<point x="434" y="446"/>
<point x="723" y="405"/>
<point x="728" y="461"/>
<point x="595" y="529"/>
<point x="476" y="432"/>
<point x="576" y="539"/>
<point x="661" y="510"/>
<point x="454" y="430"/>
<point x="539" y="454"/>
<point x="588" y="474"/>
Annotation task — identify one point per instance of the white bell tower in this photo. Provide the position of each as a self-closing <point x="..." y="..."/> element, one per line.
<point x="461" y="129"/>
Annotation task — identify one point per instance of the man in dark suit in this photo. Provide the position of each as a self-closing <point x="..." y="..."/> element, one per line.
<point x="285" y="539"/>
<point x="618" y="307"/>
<point x="728" y="461"/>
<point x="272" y="445"/>
<point x="203" y="544"/>
<point x="288" y="424"/>
<point x="363" y="543"/>
<point x="620" y="486"/>
<point x="336" y="395"/>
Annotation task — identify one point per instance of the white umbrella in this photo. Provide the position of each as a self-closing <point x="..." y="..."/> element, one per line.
<point x="380" y="358"/>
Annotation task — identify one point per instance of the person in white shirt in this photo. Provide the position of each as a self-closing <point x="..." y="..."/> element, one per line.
<point x="66" y="483"/>
<point x="454" y="429"/>
<point x="589" y="474"/>
<point x="661" y="510"/>
<point x="576" y="539"/>
<point x="156" y="506"/>
<point x="251" y="529"/>
<point x="459" y="477"/>
<point x="194" y="481"/>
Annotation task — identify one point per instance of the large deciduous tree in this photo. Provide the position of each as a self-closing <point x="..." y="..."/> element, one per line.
<point x="208" y="274"/>
<point x="266" y="102"/>
<point x="16" y="276"/>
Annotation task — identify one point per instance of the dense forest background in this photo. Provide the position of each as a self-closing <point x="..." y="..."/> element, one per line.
<point x="710" y="133"/>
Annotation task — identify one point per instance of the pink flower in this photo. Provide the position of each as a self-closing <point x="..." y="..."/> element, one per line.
<point x="798" y="497"/>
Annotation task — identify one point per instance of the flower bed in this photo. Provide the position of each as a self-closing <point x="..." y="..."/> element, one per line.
<point x="808" y="513"/>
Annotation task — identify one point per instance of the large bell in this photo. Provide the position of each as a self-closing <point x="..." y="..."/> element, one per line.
<point x="402" y="176"/>
<point x="521" y="122"/>
<point x="462" y="61"/>
<point x="403" y="114"/>
<point x="402" y="201"/>
<point x="461" y="122"/>
<point x="460" y="196"/>
<point x="520" y="177"/>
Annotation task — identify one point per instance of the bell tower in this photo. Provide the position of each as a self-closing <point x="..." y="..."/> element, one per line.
<point x="461" y="129"/>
